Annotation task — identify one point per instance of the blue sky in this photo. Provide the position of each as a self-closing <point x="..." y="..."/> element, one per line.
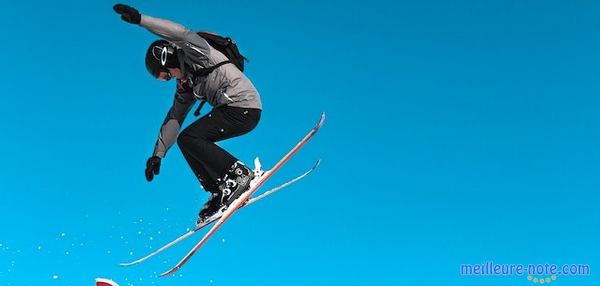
<point x="457" y="132"/>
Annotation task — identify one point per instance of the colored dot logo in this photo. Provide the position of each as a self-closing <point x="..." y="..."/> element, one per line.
<point x="541" y="280"/>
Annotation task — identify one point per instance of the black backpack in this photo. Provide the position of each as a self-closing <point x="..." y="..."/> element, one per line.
<point x="225" y="45"/>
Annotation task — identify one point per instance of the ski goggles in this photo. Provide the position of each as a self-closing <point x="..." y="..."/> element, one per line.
<point x="164" y="75"/>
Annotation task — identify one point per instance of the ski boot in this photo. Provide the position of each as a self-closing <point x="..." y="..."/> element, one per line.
<point x="234" y="183"/>
<point x="212" y="207"/>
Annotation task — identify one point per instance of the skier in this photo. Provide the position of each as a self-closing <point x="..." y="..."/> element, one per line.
<point x="184" y="55"/>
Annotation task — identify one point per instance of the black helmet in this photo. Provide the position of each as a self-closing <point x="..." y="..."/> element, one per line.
<point x="160" y="56"/>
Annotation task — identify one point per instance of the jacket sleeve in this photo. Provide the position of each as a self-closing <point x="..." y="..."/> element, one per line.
<point x="169" y="130"/>
<point x="176" y="34"/>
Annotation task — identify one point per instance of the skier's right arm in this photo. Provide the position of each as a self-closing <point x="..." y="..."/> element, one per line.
<point x="183" y="102"/>
<point x="170" y="31"/>
<point x="169" y="130"/>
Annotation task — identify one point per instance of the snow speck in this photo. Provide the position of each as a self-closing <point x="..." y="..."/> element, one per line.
<point x="130" y="252"/>
<point x="223" y="240"/>
<point x="140" y="232"/>
<point x="210" y="281"/>
<point x="62" y="234"/>
<point x="55" y="277"/>
<point x="39" y="247"/>
<point x="151" y="238"/>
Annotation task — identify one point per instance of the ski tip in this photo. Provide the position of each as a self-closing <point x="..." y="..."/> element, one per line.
<point x="321" y="120"/>
<point x="125" y="264"/>
<point x="171" y="271"/>
<point x="316" y="164"/>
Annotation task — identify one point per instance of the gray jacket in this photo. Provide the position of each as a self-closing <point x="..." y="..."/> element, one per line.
<point x="226" y="85"/>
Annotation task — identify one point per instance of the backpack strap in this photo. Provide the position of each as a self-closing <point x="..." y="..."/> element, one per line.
<point x="208" y="70"/>
<point x="197" y="112"/>
<point x="205" y="72"/>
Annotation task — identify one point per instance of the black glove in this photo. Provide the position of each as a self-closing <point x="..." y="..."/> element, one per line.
<point x="152" y="167"/>
<point x="128" y="13"/>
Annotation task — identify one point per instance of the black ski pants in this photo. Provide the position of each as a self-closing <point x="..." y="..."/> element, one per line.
<point x="208" y="161"/>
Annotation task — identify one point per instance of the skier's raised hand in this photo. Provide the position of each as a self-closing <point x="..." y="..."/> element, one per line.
<point x="128" y="13"/>
<point x="152" y="167"/>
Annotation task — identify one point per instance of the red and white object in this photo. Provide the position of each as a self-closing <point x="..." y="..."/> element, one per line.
<point x="105" y="282"/>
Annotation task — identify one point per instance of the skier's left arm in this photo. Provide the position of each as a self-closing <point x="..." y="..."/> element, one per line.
<point x="170" y="31"/>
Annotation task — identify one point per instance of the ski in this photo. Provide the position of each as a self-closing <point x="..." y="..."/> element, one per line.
<point x="254" y="185"/>
<point x="201" y="226"/>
